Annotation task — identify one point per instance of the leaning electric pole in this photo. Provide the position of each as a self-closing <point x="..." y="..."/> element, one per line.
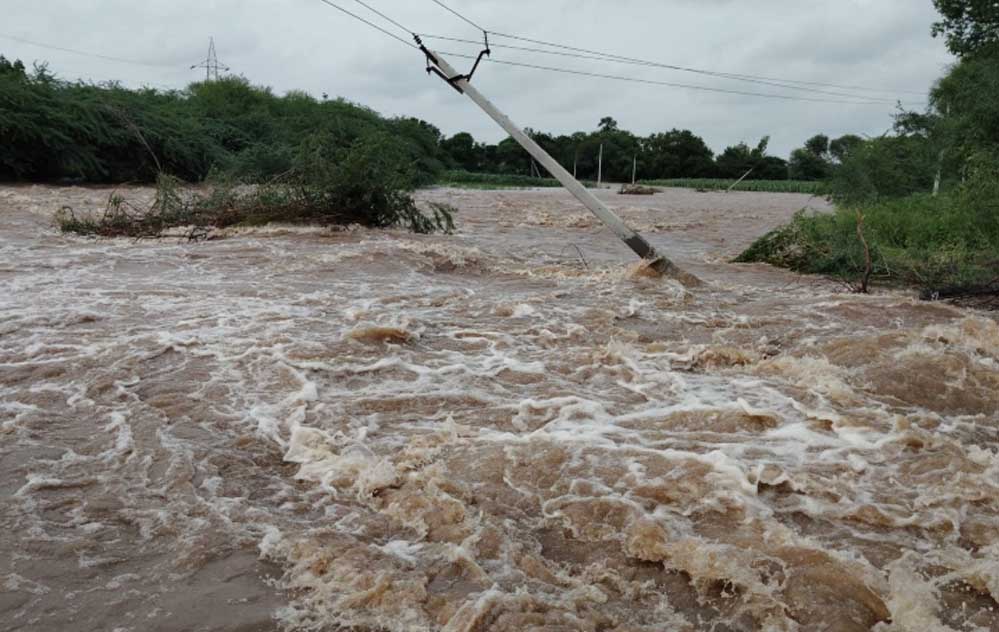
<point x="439" y="66"/>
<point x="211" y="63"/>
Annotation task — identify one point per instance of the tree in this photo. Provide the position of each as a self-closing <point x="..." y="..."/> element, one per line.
<point x="15" y="68"/>
<point x="818" y="145"/>
<point x="968" y="26"/>
<point x="736" y="160"/>
<point x="607" y="124"/>
<point x="462" y="150"/>
<point x="805" y="165"/>
<point x="811" y="162"/>
<point x="842" y="146"/>
<point x="771" y="168"/>
<point x="675" y="154"/>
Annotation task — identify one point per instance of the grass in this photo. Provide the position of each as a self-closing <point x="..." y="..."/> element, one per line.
<point x="495" y="181"/>
<point x="762" y="186"/>
<point x="946" y="246"/>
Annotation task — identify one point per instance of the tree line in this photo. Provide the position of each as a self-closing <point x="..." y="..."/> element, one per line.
<point x="663" y="155"/>
<point x="52" y="130"/>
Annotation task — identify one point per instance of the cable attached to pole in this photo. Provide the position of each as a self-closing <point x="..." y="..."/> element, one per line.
<point x="460" y="16"/>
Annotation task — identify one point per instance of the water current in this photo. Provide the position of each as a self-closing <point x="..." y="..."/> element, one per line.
<point x="508" y="429"/>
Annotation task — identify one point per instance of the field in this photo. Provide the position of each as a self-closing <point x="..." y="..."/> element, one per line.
<point x="491" y="181"/>
<point x="760" y="186"/>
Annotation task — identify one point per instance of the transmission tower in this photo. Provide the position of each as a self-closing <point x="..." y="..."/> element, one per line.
<point x="211" y="63"/>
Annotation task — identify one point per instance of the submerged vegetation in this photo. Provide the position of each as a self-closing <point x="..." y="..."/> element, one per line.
<point x="364" y="184"/>
<point x="920" y="206"/>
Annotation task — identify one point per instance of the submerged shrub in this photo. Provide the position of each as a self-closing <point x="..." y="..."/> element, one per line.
<point x="367" y="184"/>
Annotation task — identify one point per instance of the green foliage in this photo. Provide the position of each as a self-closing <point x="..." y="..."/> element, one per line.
<point x="811" y="162"/>
<point x="967" y="25"/>
<point x="676" y="154"/>
<point x="736" y="160"/>
<point x="841" y="147"/>
<point x="762" y="186"/>
<point x="951" y="240"/>
<point x="365" y="183"/>
<point x="967" y="111"/>
<point x="55" y="130"/>
<point x="946" y="243"/>
<point x="886" y="167"/>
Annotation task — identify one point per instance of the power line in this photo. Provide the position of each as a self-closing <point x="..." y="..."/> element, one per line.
<point x="614" y="77"/>
<point x="777" y="84"/>
<point x="701" y="71"/>
<point x="583" y="73"/>
<point x="385" y="17"/>
<point x="447" y="8"/>
<point x="735" y="76"/>
<point x="119" y="60"/>
<point x="368" y="22"/>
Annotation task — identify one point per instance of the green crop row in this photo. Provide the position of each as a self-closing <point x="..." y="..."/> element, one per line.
<point x="763" y="186"/>
<point x="467" y="179"/>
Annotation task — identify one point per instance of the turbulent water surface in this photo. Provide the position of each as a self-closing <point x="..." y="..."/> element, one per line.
<point x="509" y="429"/>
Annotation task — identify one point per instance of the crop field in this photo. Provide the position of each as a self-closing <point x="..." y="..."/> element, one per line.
<point x="469" y="180"/>
<point x="762" y="186"/>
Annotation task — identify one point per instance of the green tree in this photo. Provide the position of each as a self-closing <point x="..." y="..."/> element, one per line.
<point x="839" y="148"/>
<point x="736" y="160"/>
<point x="463" y="151"/>
<point x="968" y="26"/>
<point x="818" y="145"/>
<point x="607" y="124"/>
<point x="811" y="162"/>
<point x="675" y="154"/>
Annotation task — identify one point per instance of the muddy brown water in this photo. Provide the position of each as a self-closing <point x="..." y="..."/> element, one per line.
<point x="503" y="430"/>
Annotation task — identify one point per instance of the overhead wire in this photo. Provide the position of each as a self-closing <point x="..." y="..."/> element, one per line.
<point x="584" y="73"/>
<point x="777" y="84"/>
<point x="857" y="100"/>
<point x="368" y="22"/>
<point x="447" y="8"/>
<point x="383" y="16"/>
<point x="698" y="70"/>
<point x="120" y="60"/>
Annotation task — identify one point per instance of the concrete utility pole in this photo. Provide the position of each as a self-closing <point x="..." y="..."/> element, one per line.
<point x="632" y="239"/>
<point x="634" y="169"/>
<point x="600" y="166"/>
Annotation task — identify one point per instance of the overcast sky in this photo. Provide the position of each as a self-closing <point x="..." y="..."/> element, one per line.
<point x="307" y="45"/>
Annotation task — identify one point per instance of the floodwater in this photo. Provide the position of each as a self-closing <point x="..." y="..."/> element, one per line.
<point x="508" y="429"/>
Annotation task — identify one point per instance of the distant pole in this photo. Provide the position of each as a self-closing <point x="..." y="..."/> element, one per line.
<point x="739" y="181"/>
<point x="634" y="169"/>
<point x="600" y="166"/>
<point x="632" y="239"/>
<point x="575" y="162"/>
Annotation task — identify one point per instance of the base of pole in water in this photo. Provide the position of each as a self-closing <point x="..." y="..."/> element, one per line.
<point x="663" y="267"/>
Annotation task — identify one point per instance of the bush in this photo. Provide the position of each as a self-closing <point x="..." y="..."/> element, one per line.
<point x="933" y="243"/>
<point x="366" y="184"/>
<point x="882" y="168"/>
<point x="56" y="130"/>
